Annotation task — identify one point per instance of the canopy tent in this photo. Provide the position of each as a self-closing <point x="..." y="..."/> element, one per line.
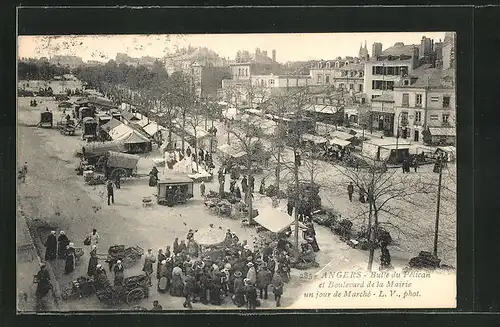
<point x="111" y="124"/>
<point x="98" y="148"/>
<point x="133" y="138"/>
<point x="314" y="138"/>
<point x="273" y="220"/>
<point x="209" y="236"/>
<point x="342" y="135"/>
<point x="152" y="128"/>
<point x="339" y="142"/>
<point x="120" y="131"/>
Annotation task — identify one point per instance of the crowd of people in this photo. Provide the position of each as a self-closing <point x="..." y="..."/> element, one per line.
<point x="227" y="273"/>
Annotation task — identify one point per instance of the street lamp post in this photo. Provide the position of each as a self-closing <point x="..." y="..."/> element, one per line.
<point x="436" y="228"/>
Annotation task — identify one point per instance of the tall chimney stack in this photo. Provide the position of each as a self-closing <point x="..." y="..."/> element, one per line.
<point x="274" y="55"/>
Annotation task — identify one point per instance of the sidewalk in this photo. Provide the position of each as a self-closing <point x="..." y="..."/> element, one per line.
<point x="28" y="264"/>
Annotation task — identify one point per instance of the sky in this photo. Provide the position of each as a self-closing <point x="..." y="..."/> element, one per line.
<point x="289" y="47"/>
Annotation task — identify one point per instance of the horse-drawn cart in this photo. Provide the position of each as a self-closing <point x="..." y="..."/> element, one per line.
<point x="113" y="163"/>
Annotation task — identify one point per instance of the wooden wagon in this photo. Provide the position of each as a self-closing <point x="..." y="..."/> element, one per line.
<point x="113" y="163"/>
<point x="175" y="189"/>
<point x="133" y="290"/>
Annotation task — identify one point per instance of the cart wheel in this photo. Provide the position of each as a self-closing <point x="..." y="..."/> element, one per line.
<point x="135" y="296"/>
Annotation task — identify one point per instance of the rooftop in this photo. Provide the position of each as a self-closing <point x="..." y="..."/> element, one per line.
<point x="400" y="49"/>
<point x="425" y="76"/>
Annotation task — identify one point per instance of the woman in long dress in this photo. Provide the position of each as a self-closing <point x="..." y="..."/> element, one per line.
<point x="161" y="257"/>
<point x="70" y="259"/>
<point x="177" y="284"/>
<point x="62" y="243"/>
<point x="93" y="262"/>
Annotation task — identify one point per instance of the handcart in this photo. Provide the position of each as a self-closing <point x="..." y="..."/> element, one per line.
<point x="133" y="290"/>
<point x="128" y="256"/>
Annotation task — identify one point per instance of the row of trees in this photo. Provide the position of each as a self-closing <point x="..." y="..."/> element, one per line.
<point x="39" y="70"/>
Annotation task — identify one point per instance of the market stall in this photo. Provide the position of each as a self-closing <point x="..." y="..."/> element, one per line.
<point x="273" y="219"/>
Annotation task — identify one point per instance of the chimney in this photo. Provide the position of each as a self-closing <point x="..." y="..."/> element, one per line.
<point x="274" y="55"/>
<point x="264" y="53"/>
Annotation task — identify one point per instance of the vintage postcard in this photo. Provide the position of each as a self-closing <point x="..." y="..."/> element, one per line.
<point x="236" y="171"/>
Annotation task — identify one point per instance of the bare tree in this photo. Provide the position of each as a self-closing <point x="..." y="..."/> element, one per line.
<point x="381" y="188"/>
<point x="249" y="134"/>
<point x="194" y="119"/>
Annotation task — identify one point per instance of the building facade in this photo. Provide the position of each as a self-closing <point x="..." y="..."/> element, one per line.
<point x="425" y="103"/>
<point x="340" y="74"/>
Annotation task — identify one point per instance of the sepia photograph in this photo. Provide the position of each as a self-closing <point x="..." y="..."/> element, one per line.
<point x="248" y="172"/>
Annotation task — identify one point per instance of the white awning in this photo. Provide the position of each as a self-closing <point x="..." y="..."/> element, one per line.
<point x="340" y="142"/>
<point x="314" y="138"/>
<point x="120" y="131"/>
<point x="273" y="220"/>
<point x="152" y="128"/>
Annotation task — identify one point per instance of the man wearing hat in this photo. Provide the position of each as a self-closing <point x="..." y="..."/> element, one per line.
<point x="263" y="280"/>
<point x="277" y="288"/>
<point x="239" y="289"/>
<point x="149" y="259"/>
<point x="250" y="294"/>
<point x="251" y="273"/>
<point x="51" y="246"/>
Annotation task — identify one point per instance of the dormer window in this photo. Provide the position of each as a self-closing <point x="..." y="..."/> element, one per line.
<point x="406" y="82"/>
<point x="337" y="64"/>
<point x="347" y="63"/>
<point x="328" y="65"/>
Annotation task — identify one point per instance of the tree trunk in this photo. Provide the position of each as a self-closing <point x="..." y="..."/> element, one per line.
<point x="278" y="169"/>
<point x="196" y="150"/>
<point x="249" y="193"/>
<point x="371" y="235"/>
<point x="296" y="201"/>
<point x="183" y="129"/>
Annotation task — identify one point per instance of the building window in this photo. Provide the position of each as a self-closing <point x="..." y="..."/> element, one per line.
<point x="246" y="72"/>
<point x="320" y="77"/>
<point x="406" y="82"/>
<point x="351" y="86"/>
<point x="375" y="96"/>
<point x="341" y="86"/>
<point x="345" y="73"/>
<point x="446" y="117"/>
<point x="271" y="82"/>
<point x="446" y="102"/>
<point x="382" y="85"/>
<point x="361" y="73"/>
<point x="434" y="99"/>
<point x="360" y="87"/>
<point x="418" y="100"/>
<point x="434" y="117"/>
<point x="261" y="82"/>
<point x="328" y="65"/>
<point x="406" y="100"/>
<point x="418" y="116"/>
<point x="327" y="79"/>
<point x="353" y="74"/>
